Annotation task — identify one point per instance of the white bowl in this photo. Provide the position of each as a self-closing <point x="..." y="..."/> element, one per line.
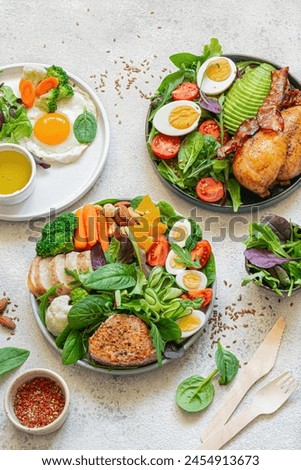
<point x="25" y="192"/>
<point x="20" y="380"/>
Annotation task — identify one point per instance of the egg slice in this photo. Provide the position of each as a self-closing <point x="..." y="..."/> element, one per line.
<point x="191" y="280"/>
<point x="52" y="138"/>
<point x="177" y="118"/>
<point x="191" y="323"/>
<point x="216" y="75"/>
<point x="171" y="265"/>
<point x="179" y="232"/>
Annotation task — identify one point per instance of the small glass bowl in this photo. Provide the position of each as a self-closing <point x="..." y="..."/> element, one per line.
<point x="26" y="377"/>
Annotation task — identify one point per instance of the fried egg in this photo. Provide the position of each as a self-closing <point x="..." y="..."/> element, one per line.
<point x="191" y="323"/>
<point x="52" y="138"/>
<point x="216" y="75"/>
<point x="177" y="118"/>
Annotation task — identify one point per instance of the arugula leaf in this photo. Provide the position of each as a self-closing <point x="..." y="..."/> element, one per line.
<point x="195" y="236"/>
<point x="234" y="188"/>
<point x="11" y="358"/>
<point x="184" y="60"/>
<point x="190" y="150"/>
<point x="227" y="364"/>
<point x="195" y="393"/>
<point x="183" y="256"/>
<point x="209" y="270"/>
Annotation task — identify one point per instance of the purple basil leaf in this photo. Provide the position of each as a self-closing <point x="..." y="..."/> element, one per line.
<point x="263" y="258"/>
<point x="210" y="104"/>
<point x="97" y="256"/>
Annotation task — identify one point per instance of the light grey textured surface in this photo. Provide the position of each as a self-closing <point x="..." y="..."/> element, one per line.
<point x="93" y="39"/>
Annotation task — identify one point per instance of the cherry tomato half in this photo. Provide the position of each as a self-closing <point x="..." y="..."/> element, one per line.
<point x="202" y="251"/>
<point x="157" y="254"/>
<point x="209" y="190"/>
<point x="205" y="294"/>
<point x="212" y="128"/>
<point x="166" y="146"/>
<point x="186" y="91"/>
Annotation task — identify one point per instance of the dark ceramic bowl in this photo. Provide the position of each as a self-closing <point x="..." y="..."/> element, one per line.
<point x="251" y="201"/>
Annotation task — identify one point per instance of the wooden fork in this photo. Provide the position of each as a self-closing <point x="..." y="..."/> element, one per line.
<point x="266" y="401"/>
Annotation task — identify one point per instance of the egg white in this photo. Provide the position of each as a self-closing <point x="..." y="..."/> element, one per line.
<point x="210" y="87"/>
<point x="161" y="119"/>
<point x="183" y="228"/>
<point x="202" y="320"/>
<point x="169" y="264"/>
<point x="202" y="279"/>
<point x="69" y="150"/>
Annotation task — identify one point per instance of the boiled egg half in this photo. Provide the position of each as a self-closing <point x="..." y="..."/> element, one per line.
<point x="179" y="232"/>
<point x="191" y="323"/>
<point x="216" y="75"/>
<point x="177" y="118"/>
<point x="171" y="265"/>
<point x="191" y="280"/>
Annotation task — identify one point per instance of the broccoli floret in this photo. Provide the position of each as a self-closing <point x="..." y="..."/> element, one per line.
<point x="65" y="91"/>
<point x="78" y="294"/>
<point x="58" y="72"/>
<point x="48" y="101"/>
<point x="57" y="236"/>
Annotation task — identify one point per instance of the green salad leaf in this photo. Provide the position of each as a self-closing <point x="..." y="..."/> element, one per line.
<point x="14" y="122"/>
<point x="111" y="277"/>
<point x="89" y="310"/>
<point x="73" y="349"/>
<point x="85" y="127"/>
<point x="227" y="364"/>
<point x="11" y="358"/>
<point x="195" y="393"/>
<point x="186" y="60"/>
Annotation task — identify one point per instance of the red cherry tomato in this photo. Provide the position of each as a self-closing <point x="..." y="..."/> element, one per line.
<point x="157" y="254"/>
<point x="186" y="91"/>
<point x="205" y="294"/>
<point x="166" y="146"/>
<point x="209" y="190"/>
<point x="202" y="251"/>
<point x="211" y="127"/>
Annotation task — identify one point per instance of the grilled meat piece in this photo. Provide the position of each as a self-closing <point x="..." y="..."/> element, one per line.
<point x="269" y="115"/>
<point x="292" y="98"/>
<point x="122" y="341"/>
<point x="245" y="130"/>
<point x="292" y="136"/>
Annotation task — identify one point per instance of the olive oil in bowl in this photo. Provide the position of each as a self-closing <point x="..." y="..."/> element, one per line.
<point x="15" y="171"/>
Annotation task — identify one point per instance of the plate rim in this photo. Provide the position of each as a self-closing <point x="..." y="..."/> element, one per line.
<point x="88" y="185"/>
<point x="244" y="208"/>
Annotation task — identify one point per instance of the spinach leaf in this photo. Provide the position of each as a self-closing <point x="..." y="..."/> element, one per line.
<point x="212" y="49"/>
<point x="44" y="299"/>
<point x="11" y="358"/>
<point x="227" y="364"/>
<point x="73" y="349"/>
<point x="85" y="127"/>
<point x="168" y="173"/>
<point x="89" y="310"/>
<point x="233" y="188"/>
<point x="158" y="342"/>
<point x="195" y="236"/>
<point x="209" y="270"/>
<point x="168" y="214"/>
<point x="184" y="60"/>
<point x="169" y="329"/>
<point x="111" y="277"/>
<point x="112" y="252"/>
<point x="61" y="338"/>
<point x="195" y="393"/>
<point x="183" y="256"/>
<point x="190" y="150"/>
<point x="136" y="201"/>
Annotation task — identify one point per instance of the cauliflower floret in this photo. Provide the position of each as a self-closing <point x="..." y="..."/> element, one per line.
<point x="57" y="315"/>
<point x="34" y="73"/>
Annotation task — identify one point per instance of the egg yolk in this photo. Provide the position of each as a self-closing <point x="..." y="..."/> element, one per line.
<point x="183" y="117"/>
<point x="174" y="264"/>
<point x="191" y="281"/>
<point x="219" y="70"/>
<point x="189" y="323"/>
<point x="179" y="233"/>
<point x="52" y="128"/>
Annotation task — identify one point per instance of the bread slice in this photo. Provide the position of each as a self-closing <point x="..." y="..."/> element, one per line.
<point x="122" y="341"/>
<point x="33" y="277"/>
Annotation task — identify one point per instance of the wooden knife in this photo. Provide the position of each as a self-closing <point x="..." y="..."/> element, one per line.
<point x="261" y="363"/>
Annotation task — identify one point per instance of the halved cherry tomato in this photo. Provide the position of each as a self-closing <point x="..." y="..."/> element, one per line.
<point x="157" y="254"/>
<point x="209" y="190"/>
<point x="205" y="294"/>
<point x="186" y="91"/>
<point x="212" y="128"/>
<point x="202" y="251"/>
<point x="166" y="146"/>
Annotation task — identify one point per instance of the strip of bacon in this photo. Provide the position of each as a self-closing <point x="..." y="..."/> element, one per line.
<point x="245" y="130"/>
<point x="292" y="98"/>
<point x="269" y="115"/>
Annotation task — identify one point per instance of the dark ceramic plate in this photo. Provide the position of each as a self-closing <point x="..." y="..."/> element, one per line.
<point x="251" y="201"/>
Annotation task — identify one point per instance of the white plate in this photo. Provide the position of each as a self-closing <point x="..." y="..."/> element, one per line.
<point x="61" y="185"/>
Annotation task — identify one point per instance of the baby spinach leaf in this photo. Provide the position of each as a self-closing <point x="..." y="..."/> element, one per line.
<point x="73" y="349"/>
<point x="209" y="270"/>
<point x="195" y="393"/>
<point x="136" y="201"/>
<point x="227" y="364"/>
<point x="112" y="252"/>
<point x="89" y="310"/>
<point x="44" y="301"/>
<point x="85" y="127"/>
<point x="189" y="150"/>
<point x="184" y="60"/>
<point x="11" y="358"/>
<point x="61" y="338"/>
<point x="169" y="329"/>
<point x="111" y="277"/>
<point x="168" y="214"/>
<point x="158" y="342"/>
<point x="234" y="188"/>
